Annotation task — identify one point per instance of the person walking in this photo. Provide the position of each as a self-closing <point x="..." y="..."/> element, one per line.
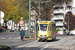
<point x="22" y="34"/>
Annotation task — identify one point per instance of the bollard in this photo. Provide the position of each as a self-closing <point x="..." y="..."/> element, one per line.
<point x="35" y="35"/>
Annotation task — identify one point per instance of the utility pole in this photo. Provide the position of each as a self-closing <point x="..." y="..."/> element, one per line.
<point x="29" y="18"/>
<point x="24" y="21"/>
<point x="39" y="9"/>
<point x="0" y="18"/>
<point x="68" y="22"/>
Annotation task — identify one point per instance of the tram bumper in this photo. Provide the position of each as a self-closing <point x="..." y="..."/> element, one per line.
<point x="44" y="38"/>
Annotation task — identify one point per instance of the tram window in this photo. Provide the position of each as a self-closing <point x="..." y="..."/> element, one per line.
<point x="53" y="27"/>
<point x="50" y="27"/>
<point x="43" y="27"/>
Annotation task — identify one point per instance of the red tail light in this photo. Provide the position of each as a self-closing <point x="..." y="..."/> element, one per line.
<point x="45" y="35"/>
<point x="40" y="35"/>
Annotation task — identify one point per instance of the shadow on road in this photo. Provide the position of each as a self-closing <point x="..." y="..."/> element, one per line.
<point x="49" y="40"/>
<point x="35" y="48"/>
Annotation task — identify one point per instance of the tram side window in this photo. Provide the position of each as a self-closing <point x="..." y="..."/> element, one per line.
<point x="53" y="27"/>
<point x="49" y="28"/>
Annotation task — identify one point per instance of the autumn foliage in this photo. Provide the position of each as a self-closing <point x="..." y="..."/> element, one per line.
<point x="15" y="9"/>
<point x="69" y="16"/>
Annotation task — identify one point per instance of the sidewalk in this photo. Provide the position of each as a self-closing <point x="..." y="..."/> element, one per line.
<point x="33" y="38"/>
<point x="9" y="32"/>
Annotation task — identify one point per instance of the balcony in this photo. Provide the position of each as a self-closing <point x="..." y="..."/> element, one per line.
<point x="59" y="24"/>
<point x="58" y="18"/>
<point x="59" y="11"/>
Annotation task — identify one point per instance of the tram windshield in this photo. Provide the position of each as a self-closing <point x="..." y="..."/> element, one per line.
<point x="43" y="27"/>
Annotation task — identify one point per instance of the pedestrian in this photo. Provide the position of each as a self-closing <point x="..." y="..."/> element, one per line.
<point x="22" y="34"/>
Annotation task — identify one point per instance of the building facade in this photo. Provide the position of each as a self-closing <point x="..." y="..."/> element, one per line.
<point x="59" y="13"/>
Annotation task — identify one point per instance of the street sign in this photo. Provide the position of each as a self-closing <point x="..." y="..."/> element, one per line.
<point x="21" y="22"/>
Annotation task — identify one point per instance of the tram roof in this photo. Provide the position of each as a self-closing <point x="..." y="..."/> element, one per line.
<point x="47" y="21"/>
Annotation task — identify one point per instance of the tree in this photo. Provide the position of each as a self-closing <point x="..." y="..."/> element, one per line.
<point x="46" y="7"/>
<point x="69" y="16"/>
<point x="15" y="10"/>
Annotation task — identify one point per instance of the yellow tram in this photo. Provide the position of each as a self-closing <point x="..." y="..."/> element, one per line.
<point x="46" y="30"/>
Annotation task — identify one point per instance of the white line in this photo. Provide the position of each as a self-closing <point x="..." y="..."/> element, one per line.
<point x="26" y="44"/>
<point x="16" y="38"/>
<point x="9" y="38"/>
<point x="3" y="38"/>
<point x="43" y="47"/>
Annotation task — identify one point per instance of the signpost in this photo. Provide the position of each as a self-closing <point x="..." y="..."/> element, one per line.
<point x="21" y="22"/>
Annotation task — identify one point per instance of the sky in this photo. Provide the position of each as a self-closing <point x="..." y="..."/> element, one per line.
<point x="73" y="3"/>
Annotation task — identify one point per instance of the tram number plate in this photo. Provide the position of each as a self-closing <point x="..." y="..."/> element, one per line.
<point x="43" y="39"/>
<point x="43" y="36"/>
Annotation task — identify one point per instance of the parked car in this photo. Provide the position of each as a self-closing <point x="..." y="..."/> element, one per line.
<point x="1" y="29"/>
<point x="12" y="30"/>
<point x="72" y="32"/>
<point x="60" y="33"/>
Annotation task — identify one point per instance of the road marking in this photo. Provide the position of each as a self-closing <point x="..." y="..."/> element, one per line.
<point x="43" y="47"/>
<point x="3" y="38"/>
<point x="26" y="44"/>
<point x="9" y="38"/>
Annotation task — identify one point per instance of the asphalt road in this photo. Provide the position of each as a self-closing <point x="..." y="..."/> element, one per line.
<point x="12" y="39"/>
<point x="11" y="35"/>
<point x="61" y="43"/>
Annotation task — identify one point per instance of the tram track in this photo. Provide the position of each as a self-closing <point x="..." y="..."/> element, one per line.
<point x="64" y="47"/>
<point x="59" y="45"/>
<point x="53" y="44"/>
<point x="34" y="43"/>
<point x="40" y="45"/>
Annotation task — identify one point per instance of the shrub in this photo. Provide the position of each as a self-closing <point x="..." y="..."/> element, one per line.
<point x="58" y="30"/>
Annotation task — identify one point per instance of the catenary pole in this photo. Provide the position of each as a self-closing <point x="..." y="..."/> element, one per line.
<point x="0" y="18"/>
<point x="29" y="18"/>
<point x="39" y="9"/>
<point x="68" y="22"/>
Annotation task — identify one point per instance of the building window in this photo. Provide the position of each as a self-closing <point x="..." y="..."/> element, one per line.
<point x="57" y="16"/>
